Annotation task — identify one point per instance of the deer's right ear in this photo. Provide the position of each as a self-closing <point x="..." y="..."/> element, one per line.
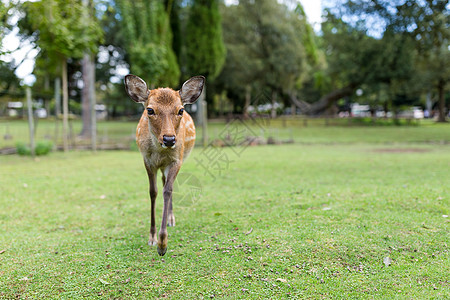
<point x="136" y="88"/>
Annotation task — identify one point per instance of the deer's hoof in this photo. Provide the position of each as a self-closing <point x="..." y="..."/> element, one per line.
<point x="161" y="251"/>
<point x="171" y="221"/>
<point x="153" y="240"/>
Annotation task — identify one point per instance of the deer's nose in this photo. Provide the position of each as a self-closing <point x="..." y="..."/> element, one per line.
<point x="169" y="141"/>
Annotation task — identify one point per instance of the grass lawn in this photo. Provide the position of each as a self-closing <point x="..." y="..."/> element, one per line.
<point x="315" y="131"/>
<point x="340" y="221"/>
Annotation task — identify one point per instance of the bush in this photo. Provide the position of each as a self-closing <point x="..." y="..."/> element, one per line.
<point x="23" y="149"/>
<point x="42" y="148"/>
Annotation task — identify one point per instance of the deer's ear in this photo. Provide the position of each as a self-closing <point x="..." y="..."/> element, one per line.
<point x="192" y="89"/>
<point x="136" y="88"/>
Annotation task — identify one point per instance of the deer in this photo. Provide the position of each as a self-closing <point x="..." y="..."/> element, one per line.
<point x="165" y="136"/>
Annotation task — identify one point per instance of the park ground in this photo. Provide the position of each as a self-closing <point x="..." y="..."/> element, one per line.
<point x="345" y="212"/>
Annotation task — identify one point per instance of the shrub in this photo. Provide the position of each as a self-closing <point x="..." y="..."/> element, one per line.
<point x="23" y="149"/>
<point x="42" y="148"/>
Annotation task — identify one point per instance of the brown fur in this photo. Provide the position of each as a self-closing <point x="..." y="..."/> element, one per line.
<point x="150" y="131"/>
<point x="166" y="121"/>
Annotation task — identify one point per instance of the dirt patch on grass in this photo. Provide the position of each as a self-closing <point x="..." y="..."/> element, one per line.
<point x="401" y="150"/>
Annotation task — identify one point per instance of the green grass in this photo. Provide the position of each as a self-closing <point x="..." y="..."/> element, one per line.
<point x="322" y="218"/>
<point x="315" y="131"/>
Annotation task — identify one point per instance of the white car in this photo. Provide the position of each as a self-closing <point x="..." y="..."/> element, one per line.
<point x="417" y="113"/>
<point x="412" y="113"/>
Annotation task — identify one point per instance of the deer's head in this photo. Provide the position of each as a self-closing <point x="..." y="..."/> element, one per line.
<point x="164" y="106"/>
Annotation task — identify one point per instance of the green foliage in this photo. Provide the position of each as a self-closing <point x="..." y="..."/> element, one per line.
<point x="63" y="26"/>
<point x="3" y="17"/>
<point x="9" y="83"/>
<point x="265" y="48"/>
<point x="42" y="148"/>
<point x="407" y="57"/>
<point x="307" y="34"/>
<point x="205" y="49"/>
<point x="147" y="35"/>
<point x="22" y="148"/>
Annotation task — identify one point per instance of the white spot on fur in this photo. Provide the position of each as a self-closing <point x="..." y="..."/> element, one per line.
<point x="166" y="171"/>
<point x="189" y="138"/>
<point x="186" y="154"/>
<point x="188" y="123"/>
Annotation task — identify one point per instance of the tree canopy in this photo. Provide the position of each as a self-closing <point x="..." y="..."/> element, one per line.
<point x="395" y="53"/>
<point x="147" y="37"/>
<point x="205" y="50"/>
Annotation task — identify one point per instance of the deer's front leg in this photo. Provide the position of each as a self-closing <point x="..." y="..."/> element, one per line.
<point x="153" y="193"/>
<point x="171" y="221"/>
<point x="171" y="173"/>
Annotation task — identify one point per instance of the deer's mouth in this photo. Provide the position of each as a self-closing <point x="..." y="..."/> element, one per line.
<point x="165" y="147"/>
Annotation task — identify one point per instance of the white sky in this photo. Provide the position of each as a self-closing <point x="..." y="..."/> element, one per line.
<point x="313" y="10"/>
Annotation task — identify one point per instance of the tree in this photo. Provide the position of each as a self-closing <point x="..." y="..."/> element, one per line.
<point x="412" y="36"/>
<point x="205" y="49"/>
<point x="265" y="50"/>
<point x="431" y="20"/>
<point x="62" y="35"/>
<point x="9" y="85"/>
<point x="112" y="55"/>
<point x="88" y="113"/>
<point x="3" y="19"/>
<point x="356" y="58"/>
<point x="147" y="35"/>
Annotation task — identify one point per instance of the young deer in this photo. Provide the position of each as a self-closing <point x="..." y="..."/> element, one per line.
<point x="165" y="136"/>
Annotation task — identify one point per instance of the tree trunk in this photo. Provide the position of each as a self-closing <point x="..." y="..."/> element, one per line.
<point x="57" y="97"/>
<point x="65" y="105"/>
<point x="92" y="104"/>
<point x="57" y="109"/>
<point x="441" y="106"/>
<point x="273" y="111"/>
<point x="30" y="121"/>
<point x="304" y="106"/>
<point x="330" y="98"/>
<point x="221" y="104"/>
<point x="85" y="97"/>
<point x="323" y="103"/>
<point x="248" y="97"/>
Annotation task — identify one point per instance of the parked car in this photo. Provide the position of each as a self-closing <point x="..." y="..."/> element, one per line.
<point x="360" y="110"/>
<point x="412" y="113"/>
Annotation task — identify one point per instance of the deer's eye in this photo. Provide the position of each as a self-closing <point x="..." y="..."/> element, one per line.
<point x="180" y="112"/>
<point x="150" y="111"/>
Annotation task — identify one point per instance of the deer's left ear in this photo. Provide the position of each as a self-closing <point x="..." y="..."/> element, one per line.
<point x="192" y="89"/>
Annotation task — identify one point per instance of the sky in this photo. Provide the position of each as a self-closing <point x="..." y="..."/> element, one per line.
<point x="313" y="10"/>
<point x="27" y="53"/>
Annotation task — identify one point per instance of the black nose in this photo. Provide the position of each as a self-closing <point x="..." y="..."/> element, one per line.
<point x="169" y="141"/>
